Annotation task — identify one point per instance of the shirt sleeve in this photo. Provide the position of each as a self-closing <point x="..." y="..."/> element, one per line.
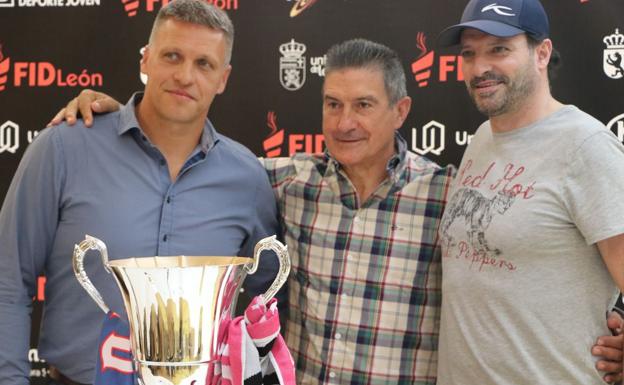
<point x="594" y="187"/>
<point x="27" y="226"/>
<point x="280" y="171"/>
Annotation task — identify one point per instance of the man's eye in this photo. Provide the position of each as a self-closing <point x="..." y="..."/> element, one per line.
<point x="466" y="54"/>
<point x="204" y="64"/>
<point x="171" y="56"/>
<point x="499" y="49"/>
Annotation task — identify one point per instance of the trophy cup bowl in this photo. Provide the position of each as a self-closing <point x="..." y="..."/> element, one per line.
<point x="176" y="304"/>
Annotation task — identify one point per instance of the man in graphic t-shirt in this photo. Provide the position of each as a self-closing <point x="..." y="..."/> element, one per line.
<point x="533" y="250"/>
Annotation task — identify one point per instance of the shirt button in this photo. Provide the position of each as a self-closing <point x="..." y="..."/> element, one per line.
<point x="168" y="199"/>
<point x="344" y="295"/>
<point x="332" y="374"/>
<point x="349" y="257"/>
<point x="356" y="219"/>
<point x="338" y="336"/>
<point x="165" y="238"/>
<point x="162" y="162"/>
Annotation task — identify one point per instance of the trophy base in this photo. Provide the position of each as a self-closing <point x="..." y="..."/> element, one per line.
<point x="167" y="374"/>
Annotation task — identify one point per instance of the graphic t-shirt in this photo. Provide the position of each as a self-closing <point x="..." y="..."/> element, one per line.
<point x="525" y="289"/>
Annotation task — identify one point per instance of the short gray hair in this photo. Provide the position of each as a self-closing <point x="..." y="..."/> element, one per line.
<point x="201" y="13"/>
<point x="361" y="53"/>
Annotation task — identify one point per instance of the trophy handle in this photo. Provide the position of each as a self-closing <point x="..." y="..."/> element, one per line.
<point x="271" y="243"/>
<point x="90" y="243"/>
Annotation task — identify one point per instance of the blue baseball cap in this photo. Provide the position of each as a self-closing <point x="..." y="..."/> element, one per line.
<point x="502" y="18"/>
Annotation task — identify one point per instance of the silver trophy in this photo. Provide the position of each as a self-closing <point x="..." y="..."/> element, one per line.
<point x="175" y="305"/>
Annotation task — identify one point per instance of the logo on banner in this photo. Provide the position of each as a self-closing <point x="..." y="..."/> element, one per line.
<point x="292" y="65"/>
<point x="31" y="135"/>
<point x="41" y="281"/>
<point x="317" y="65"/>
<point x="613" y="63"/>
<point x="300" y="6"/>
<point x="35" y="360"/>
<point x="9" y="137"/>
<point x="423" y="66"/>
<point x="50" y="3"/>
<point x="133" y="6"/>
<point x="274" y="143"/>
<point x="44" y="74"/>
<point x="463" y="138"/>
<point x="5" y="64"/>
<point x="33" y="356"/>
<point x="430" y="139"/>
<point x="617" y="126"/>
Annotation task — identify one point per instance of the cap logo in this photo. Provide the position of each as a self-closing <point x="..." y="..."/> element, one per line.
<point x="500" y="9"/>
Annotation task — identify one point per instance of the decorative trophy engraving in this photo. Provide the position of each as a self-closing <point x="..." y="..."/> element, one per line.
<point x="176" y="304"/>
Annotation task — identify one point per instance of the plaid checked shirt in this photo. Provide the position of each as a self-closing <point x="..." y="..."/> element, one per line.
<point x="364" y="291"/>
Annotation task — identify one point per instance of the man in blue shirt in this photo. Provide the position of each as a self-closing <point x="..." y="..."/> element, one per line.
<point x="155" y="178"/>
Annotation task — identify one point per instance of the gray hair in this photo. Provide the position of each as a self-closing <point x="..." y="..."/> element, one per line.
<point x="201" y="13"/>
<point x="361" y="53"/>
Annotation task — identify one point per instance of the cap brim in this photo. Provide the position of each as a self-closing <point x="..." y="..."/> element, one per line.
<point x="451" y="35"/>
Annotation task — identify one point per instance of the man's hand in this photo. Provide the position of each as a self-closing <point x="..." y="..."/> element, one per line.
<point x="609" y="350"/>
<point x="85" y="104"/>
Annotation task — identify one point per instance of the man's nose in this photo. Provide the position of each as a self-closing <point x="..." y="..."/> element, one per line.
<point x="346" y="120"/>
<point x="481" y="65"/>
<point x="184" y="73"/>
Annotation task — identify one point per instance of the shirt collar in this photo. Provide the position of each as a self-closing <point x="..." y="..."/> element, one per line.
<point x="394" y="166"/>
<point x="128" y="121"/>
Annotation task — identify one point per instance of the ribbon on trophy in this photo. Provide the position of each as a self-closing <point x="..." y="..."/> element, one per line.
<point x="114" y="362"/>
<point x="251" y="350"/>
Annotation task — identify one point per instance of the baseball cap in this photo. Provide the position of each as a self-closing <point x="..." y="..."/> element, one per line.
<point x="502" y="18"/>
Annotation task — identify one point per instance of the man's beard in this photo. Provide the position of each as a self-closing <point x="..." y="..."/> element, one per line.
<point x="506" y="99"/>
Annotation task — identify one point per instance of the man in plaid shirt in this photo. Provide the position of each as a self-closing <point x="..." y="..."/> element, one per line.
<point x="361" y="223"/>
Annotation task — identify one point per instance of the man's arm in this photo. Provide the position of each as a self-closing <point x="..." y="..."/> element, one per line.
<point x="85" y="104"/>
<point x="612" y="252"/>
<point x="27" y="227"/>
<point x="265" y="223"/>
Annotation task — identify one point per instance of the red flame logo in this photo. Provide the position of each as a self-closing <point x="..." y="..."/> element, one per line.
<point x="421" y="68"/>
<point x="273" y="144"/>
<point x="421" y="43"/>
<point x="131" y="7"/>
<point x="4" y="69"/>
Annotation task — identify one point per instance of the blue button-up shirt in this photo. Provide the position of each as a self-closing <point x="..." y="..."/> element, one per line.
<point x="109" y="181"/>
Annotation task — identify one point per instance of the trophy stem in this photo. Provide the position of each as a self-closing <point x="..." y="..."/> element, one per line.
<point x="159" y="373"/>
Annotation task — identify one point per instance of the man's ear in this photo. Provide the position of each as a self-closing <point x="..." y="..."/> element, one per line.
<point x="403" y="107"/>
<point x="144" y="57"/>
<point x="224" y="79"/>
<point x="543" y="52"/>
